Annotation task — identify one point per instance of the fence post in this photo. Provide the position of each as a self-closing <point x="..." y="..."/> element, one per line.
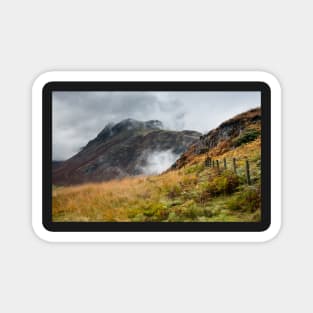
<point x="213" y="163"/>
<point x="218" y="165"/>
<point x="225" y="164"/>
<point x="208" y="162"/>
<point x="234" y="165"/>
<point x="248" y="173"/>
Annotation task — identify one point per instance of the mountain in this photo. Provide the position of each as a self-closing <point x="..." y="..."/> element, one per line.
<point x="124" y="149"/>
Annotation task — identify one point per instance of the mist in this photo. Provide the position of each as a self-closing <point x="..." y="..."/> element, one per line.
<point x="159" y="161"/>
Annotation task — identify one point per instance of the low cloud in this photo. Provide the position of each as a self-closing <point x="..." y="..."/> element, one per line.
<point x="158" y="161"/>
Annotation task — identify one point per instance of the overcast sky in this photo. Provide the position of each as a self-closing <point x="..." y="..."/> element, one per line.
<point x="79" y="116"/>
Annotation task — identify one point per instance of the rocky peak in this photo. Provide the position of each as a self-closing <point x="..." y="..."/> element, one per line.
<point x="132" y="124"/>
<point x="126" y="125"/>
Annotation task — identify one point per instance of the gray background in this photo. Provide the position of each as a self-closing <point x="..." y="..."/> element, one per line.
<point x="37" y="36"/>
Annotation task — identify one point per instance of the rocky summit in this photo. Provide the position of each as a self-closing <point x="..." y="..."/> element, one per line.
<point x="121" y="150"/>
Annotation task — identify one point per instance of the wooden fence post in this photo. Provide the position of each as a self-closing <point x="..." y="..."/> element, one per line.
<point x="248" y="173"/>
<point x="208" y="162"/>
<point x="218" y="165"/>
<point x="234" y="165"/>
<point x="225" y="164"/>
<point x="213" y="163"/>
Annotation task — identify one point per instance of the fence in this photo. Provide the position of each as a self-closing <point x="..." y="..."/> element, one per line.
<point x="231" y="164"/>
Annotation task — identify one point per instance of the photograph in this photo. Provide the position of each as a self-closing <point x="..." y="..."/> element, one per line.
<point x="156" y="156"/>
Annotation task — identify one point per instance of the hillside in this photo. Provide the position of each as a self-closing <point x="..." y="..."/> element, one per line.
<point x="127" y="148"/>
<point x="228" y="136"/>
<point x="208" y="182"/>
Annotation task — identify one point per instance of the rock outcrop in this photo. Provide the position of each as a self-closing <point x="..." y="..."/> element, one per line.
<point x="225" y="137"/>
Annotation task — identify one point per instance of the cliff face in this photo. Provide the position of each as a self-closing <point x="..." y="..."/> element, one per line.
<point x="122" y="150"/>
<point x="230" y="134"/>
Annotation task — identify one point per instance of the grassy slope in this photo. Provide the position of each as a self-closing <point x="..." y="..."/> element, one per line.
<point x="192" y="193"/>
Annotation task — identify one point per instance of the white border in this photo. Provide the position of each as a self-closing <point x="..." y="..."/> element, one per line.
<point x="38" y="85"/>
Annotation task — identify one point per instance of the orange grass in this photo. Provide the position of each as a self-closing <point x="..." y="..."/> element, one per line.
<point x="111" y="200"/>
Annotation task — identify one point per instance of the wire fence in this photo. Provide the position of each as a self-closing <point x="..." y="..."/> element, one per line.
<point x="238" y="166"/>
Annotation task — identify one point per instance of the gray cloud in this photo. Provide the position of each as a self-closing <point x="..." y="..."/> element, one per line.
<point x="80" y="116"/>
